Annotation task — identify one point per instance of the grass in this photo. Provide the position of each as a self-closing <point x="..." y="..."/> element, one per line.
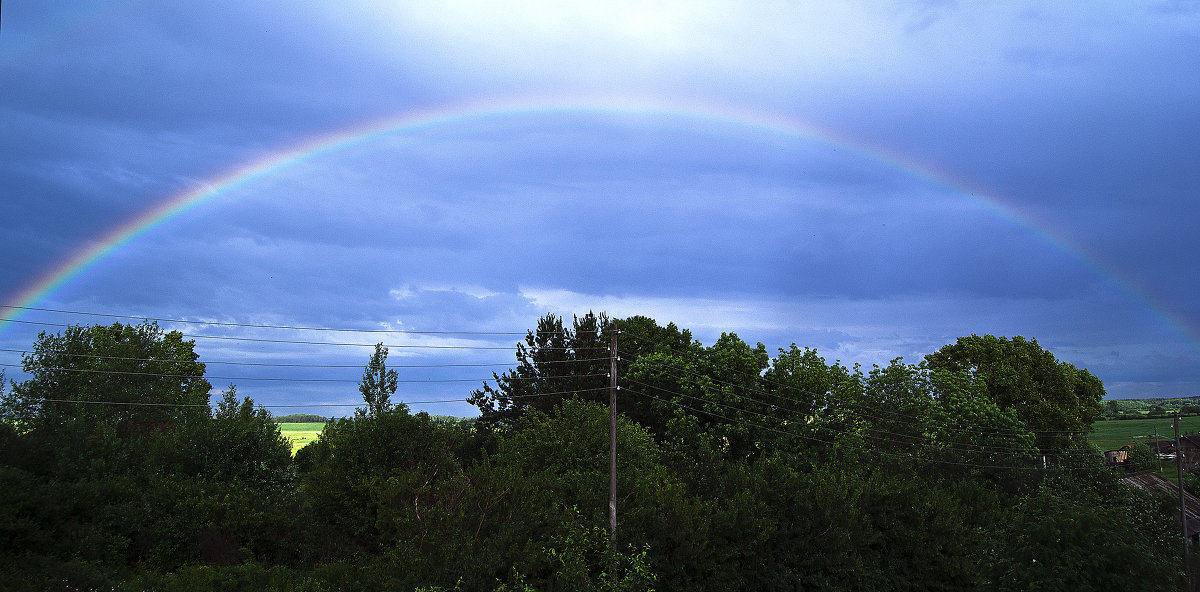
<point x="1115" y="433"/>
<point x="1106" y="435"/>
<point x="300" y="434"/>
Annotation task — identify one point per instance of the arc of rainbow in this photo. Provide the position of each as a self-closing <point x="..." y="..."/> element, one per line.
<point x="415" y="121"/>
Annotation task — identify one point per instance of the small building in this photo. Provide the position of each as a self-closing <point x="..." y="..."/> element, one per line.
<point x="1117" y="457"/>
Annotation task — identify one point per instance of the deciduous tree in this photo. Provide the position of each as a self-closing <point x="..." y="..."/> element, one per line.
<point x="378" y="383"/>
<point x="1055" y="399"/>
<point x="135" y="376"/>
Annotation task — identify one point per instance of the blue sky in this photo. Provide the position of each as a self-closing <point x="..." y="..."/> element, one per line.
<point x="870" y="179"/>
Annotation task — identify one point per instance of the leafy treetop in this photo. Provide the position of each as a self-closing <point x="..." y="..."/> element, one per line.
<point x="378" y="383"/>
<point x="1055" y="399"/>
<point x="83" y="375"/>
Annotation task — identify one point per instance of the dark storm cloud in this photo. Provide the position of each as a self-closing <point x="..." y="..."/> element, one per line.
<point x="233" y="66"/>
<point x="1059" y="132"/>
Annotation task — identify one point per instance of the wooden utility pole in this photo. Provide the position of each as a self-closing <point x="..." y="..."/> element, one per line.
<point x="1158" y="445"/>
<point x="612" y="443"/>
<point x="1182" y="506"/>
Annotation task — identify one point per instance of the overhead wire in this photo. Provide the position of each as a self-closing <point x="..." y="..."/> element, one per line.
<point x="914" y="438"/>
<point x="258" y="326"/>
<point x="298" y="405"/>
<point x="206" y="377"/>
<point x="266" y="364"/>
<point x="745" y="388"/>
<point x="337" y="344"/>
<point x="265" y="326"/>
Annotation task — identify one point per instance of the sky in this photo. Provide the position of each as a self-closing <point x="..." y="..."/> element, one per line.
<point x="871" y="179"/>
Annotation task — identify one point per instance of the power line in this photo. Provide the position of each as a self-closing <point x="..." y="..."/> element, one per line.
<point x="406" y="381"/>
<point x="338" y="344"/>
<point x="255" y="326"/>
<point x="227" y="363"/>
<point x="126" y="403"/>
<point x="299" y="405"/>
<point x="560" y="393"/>
<point x="821" y="396"/>
<point x="268" y="326"/>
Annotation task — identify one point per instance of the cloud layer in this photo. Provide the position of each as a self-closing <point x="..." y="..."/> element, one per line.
<point x="1010" y="169"/>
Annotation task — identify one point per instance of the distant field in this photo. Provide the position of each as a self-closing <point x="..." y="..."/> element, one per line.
<point x="300" y="433"/>
<point x="1115" y="433"/>
<point x="1106" y="435"/>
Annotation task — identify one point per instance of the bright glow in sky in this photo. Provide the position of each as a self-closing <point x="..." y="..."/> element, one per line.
<point x="871" y="179"/>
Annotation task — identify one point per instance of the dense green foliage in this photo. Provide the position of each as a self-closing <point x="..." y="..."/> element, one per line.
<point x="736" y="470"/>
<point x="1141" y="458"/>
<point x="101" y="480"/>
<point x="1055" y="399"/>
<point x="88" y="366"/>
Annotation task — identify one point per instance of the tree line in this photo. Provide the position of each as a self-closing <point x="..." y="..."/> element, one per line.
<point x="1151" y="408"/>
<point x="302" y="418"/>
<point x="737" y="469"/>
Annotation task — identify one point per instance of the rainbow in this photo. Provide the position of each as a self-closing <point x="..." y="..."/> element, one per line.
<point x="415" y="121"/>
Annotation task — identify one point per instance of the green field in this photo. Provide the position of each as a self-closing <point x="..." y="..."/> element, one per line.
<point x="300" y="433"/>
<point x="1106" y="435"/>
<point x="1115" y="433"/>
